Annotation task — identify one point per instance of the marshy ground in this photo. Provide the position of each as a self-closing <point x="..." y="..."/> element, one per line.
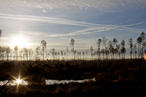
<point x="115" y="78"/>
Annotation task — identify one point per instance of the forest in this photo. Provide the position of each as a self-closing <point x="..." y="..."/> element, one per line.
<point x="105" y="49"/>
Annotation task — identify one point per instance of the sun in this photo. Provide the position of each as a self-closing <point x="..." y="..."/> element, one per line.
<point x="20" y="41"/>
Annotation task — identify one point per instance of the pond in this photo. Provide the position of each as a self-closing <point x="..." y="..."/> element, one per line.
<point x="48" y="82"/>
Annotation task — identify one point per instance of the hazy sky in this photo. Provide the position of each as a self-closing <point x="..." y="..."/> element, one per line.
<point x="58" y="21"/>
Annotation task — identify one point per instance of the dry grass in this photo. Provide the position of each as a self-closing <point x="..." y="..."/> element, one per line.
<point x="113" y="77"/>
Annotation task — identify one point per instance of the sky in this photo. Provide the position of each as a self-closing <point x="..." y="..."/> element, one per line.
<point x="59" y="21"/>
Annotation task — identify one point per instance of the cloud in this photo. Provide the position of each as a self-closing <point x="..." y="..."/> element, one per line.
<point x="98" y="29"/>
<point x="84" y="31"/>
<point x="90" y="27"/>
<point x="46" y="19"/>
<point x="82" y="4"/>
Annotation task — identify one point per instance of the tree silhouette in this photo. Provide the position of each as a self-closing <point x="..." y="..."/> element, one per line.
<point x="144" y="51"/>
<point x="116" y="52"/>
<point x="72" y="42"/>
<point x="20" y="54"/>
<point x="26" y="53"/>
<point x="115" y="41"/>
<point x="91" y="49"/>
<point x="53" y="53"/>
<point x="78" y="56"/>
<point x="74" y="54"/>
<point x="143" y="46"/>
<point x="16" y="51"/>
<point x="135" y="50"/>
<point x="142" y="35"/>
<point x="3" y="49"/>
<point x="139" y="41"/>
<point x="58" y="54"/>
<point x="123" y="49"/>
<point x="104" y="40"/>
<point x="62" y="54"/>
<point x="111" y="49"/>
<point x="131" y="46"/>
<point x="106" y="52"/>
<point x="67" y="52"/>
<point x="8" y="50"/>
<point x="98" y="45"/>
<point x="43" y="44"/>
<point x="114" y="47"/>
<point x="118" y="48"/>
<point x="48" y="54"/>
<point x="102" y="52"/>
<point x="37" y="50"/>
<point x="30" y="51"/>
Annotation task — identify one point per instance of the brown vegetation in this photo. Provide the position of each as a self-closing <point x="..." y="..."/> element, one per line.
<point x="115" y="78"/>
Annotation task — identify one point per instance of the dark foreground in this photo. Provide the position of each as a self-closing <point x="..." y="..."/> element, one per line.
<point x="116" y="78"/>
<point x="102" y="89"/>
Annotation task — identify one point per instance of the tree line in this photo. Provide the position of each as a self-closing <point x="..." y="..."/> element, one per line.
<point x="105" y="49"/>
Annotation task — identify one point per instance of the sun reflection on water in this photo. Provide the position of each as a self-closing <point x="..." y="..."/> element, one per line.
<point x="19" y="81"/>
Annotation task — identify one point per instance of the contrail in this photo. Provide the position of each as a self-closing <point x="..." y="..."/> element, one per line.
<point x="47" y="19"/>
<point x="90" y="27"/>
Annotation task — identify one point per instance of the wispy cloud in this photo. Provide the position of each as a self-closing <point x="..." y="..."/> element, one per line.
<point x="98" y="29"/>
<point x="84" y="31"/>
<point x="90" y="27"/>
<point x="47" y="20"/>
<point x="51" y="4"/>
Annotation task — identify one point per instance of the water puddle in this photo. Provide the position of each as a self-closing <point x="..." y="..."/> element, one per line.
<point x="48" y="82"/>
<point x="51" y="82"/>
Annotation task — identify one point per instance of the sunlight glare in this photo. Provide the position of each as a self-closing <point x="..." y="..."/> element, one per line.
<point x="19" y="81"/>
<point x="20" y="41"/>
